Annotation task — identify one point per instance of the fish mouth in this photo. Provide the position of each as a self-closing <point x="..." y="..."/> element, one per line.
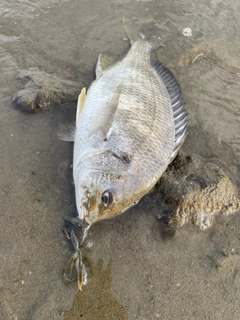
<point x="90" y="217"/>
<point x="82" y="221"/>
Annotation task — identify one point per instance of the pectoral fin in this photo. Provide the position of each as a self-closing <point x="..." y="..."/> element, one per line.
<point x="66" y="132"/>
<point x="80" y="104"/>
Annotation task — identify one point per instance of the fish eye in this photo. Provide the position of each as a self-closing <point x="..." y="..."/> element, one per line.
<point x="107" y="198"/>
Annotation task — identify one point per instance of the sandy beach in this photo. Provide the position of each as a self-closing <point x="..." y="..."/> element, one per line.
<point x="138" y="269"/>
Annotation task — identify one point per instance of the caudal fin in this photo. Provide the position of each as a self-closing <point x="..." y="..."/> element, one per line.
<point x="137" y="29"/>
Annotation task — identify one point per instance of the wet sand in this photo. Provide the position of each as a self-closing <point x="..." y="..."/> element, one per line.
<point x="137" y="271"/>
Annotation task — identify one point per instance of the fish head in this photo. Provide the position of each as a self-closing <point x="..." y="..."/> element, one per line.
<point x="101" y="195"/>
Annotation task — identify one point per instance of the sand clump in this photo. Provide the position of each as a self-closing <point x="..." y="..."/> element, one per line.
<point x="193" y="190"/>
<point x="43" y="90"/>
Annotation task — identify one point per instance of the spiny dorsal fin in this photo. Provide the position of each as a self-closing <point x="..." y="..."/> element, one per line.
<point x="81" y="100"/>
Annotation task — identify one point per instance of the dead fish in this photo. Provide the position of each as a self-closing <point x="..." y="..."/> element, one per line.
<point x="129" y="127"/>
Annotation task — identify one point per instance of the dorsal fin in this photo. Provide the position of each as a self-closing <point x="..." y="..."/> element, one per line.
<point x="179" y="113"/>
<point x="81" y="100"/>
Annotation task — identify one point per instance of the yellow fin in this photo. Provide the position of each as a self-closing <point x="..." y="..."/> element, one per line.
<point x="80" y="104"/>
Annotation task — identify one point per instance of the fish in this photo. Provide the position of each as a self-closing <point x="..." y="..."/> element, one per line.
<point x="130" y="125"/>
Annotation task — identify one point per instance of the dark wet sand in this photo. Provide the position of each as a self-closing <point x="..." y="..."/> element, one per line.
<point x="136" y="274"/>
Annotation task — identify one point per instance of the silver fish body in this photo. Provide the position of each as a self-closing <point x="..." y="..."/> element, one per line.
<point x="129" y="127"/>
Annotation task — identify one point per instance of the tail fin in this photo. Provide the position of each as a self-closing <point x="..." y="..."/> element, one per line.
<point x="136" y="29"/>
<point x="132" y="29"/>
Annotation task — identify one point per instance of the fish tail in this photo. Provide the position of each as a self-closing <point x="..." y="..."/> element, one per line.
<point x="136" y="31"/>
<point x="132" y="29"/>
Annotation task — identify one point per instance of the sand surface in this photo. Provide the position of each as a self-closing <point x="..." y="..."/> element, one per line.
<point x="138" y="270"/>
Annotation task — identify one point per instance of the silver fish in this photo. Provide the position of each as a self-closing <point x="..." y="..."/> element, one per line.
<point x="129" y="127"/>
